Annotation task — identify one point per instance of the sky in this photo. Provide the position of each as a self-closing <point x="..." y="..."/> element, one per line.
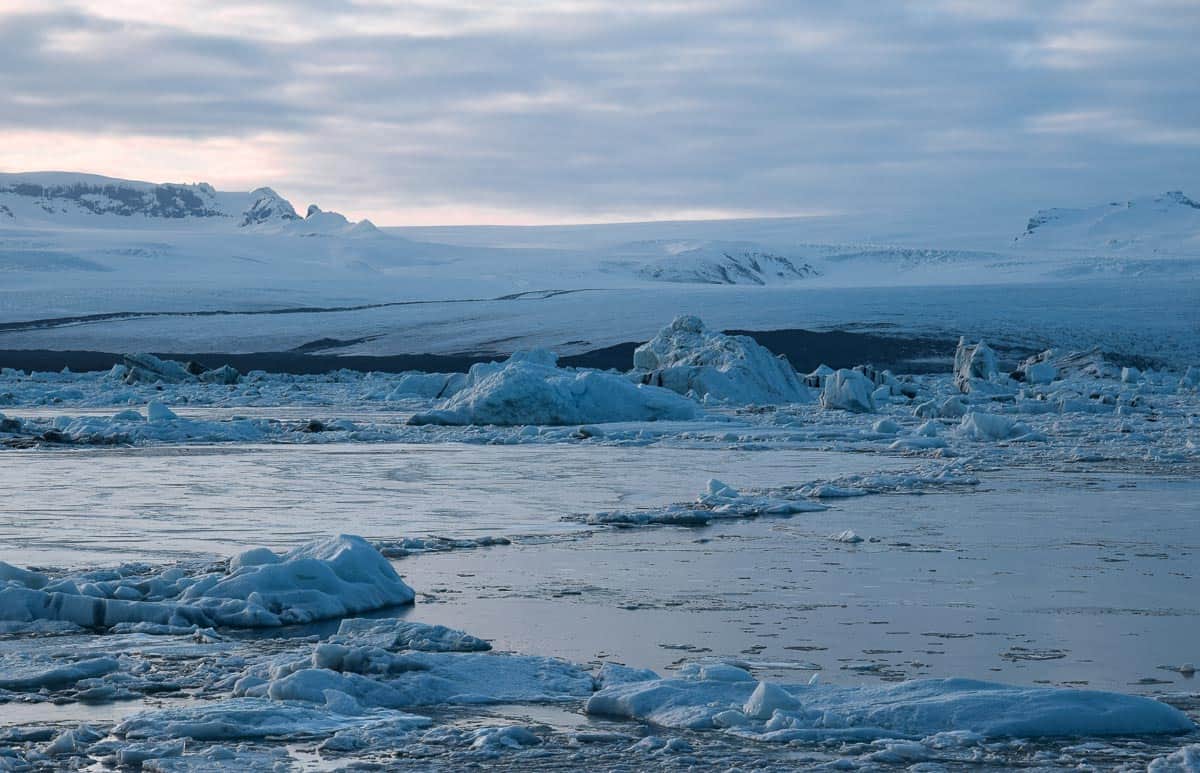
<point x="559" y="111"/>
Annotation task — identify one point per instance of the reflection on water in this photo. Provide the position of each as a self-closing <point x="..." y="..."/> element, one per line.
<point x="76" y="507"/>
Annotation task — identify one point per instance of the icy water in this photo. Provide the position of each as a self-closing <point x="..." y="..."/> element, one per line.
<point x="1074" y="579"/>
<point x="1032" y="578"/>
<point x="1063" y="578"/>
<point x="165" y="502"/>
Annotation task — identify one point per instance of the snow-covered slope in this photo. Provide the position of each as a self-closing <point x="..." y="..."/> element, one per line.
<point x="708" y="262"/>
<point x="1168" y="224"/>
<point x="100" y="263"/>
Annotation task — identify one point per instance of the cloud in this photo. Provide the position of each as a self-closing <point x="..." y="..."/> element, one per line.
<point x="560" y="110"/>
<point x="1113" y="128"/>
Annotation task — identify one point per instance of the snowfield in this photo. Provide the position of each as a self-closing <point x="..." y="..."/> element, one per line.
<point x="695" y="558"/>
<point x="99" y="264"/>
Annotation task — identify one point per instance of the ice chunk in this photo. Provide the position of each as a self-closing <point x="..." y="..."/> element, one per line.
<point x="72" y="741"/>
<point x="137" y="754"/>
<point x="528" y="388"/>
<point x="225" y="375"/>
<point x="848" y="390"/>
<point x="394" y="635"/>
<point x="817" y="378"/>
<point x="374" y="677"/>
<point x="510" y="737"/>
<point x="686" y="357"/>
<point x="238" y="718"/>
<point x="37" y="675"/>
<point x="146" y="368"/>
<point x="1091" y="364"/>
<point x="976" y="370"/>
<point x="243" y="757"/>
<point x="615" y="673"/>
<point x="766" y="699"/>
<point x="911" y="709"/>
<point x="436" y="386"/>
<point x="885" y="427"/>
<point x="1039" y="372"/>
<point x="1184" y="760"/>
<point x="330" y="578"/>
<point x="156" y="411"/>
<point x="720" y="501"/>
<point x="993" y="426"/>
<point x="848" y="536"/>
<point x="10" y="573"/>
<point x="716" y="672"/>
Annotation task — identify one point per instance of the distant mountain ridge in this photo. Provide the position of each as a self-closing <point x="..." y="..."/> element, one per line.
<point x="1168" y="223"/>
<point x="91" y="200"/>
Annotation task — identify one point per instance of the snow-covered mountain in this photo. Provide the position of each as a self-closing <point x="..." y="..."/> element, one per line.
<point x="1167" y="224"/>
<point x="92" y="262"/>
<point x="707" y="262"/>
<point x="66" y="199"/>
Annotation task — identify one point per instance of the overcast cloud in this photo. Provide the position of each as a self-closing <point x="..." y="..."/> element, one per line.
<point x="581" y="110"/>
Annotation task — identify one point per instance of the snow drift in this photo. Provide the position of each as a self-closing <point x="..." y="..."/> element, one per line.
<point x="686" y="357"/>
<point x="529" y="388"/>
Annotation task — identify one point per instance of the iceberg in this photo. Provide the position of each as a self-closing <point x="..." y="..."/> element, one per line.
<point x="977" y="371"/>
<point x="848" y="390"/>
<point x="687" y="358"/>
<point x="529" y="388"/>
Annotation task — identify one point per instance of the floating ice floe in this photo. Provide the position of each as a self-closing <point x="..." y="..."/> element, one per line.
<point x="730" y="698"/>
<point x="393" y="634"/>
<point x="720" y="501"/>
<point x="326" y="579"/>
<point x="408" y="546"/>
<point x="354" y="677"/>
<point x="687" y="358"/>
<point x="529" y="388"/>
<point x="927" y="477"/>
